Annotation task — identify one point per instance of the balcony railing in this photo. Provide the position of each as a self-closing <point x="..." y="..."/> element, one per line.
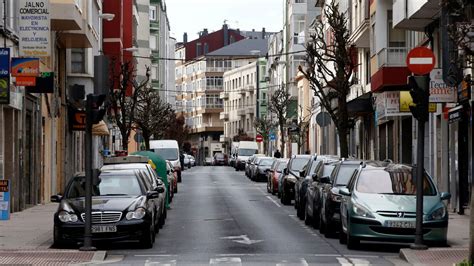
<point x="224" y="116"/>
<point x="224" y="95"/>
<point x="218" y="69"/>
<point x="392" y="57"/>
<point x="241" y="112"/>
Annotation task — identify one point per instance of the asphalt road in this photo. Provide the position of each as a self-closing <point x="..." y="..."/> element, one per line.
<point x="221" y="217"/>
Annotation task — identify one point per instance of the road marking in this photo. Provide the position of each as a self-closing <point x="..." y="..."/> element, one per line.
<point x="226" y="261"/>
<point x="242" y="239"/>
<point x="359" y="261"/>
<point x="154" y="255"/>
<point x="362" y="256"/>
<point x="163" y="263"/>
<point x="274" y="201"/>
<point x="326" y="255"/>
<point x="344" y="261"/>
<point x="302" y="262"/>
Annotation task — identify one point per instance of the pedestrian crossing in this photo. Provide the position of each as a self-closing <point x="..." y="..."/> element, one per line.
<point x="252" y="259"/>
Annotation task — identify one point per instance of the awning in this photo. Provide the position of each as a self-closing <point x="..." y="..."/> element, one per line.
<point x="100" y="129"/>
<point x="361" y="105"/>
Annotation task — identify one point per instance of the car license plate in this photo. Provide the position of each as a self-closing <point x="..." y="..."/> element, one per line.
<point x="401" y="224"/>
<point x="104" y="228"/>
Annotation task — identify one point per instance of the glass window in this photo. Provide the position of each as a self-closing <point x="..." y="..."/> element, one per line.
<point x="170" y="154"/>
<point x="110" y="184"/>
<point x="392" y="182"/>
<point x="153" y="42"/>
<point x="78" y="60"/>
<point x="344" y="174"/>
<point x="297" y="164"/>
<point x="152" y="12"/>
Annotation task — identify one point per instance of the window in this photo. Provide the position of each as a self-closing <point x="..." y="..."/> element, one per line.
<point x="153" y="42"/>
<point x="206" y="48"/>
<point x="300" y="1"/>
<point x="154" y="72"/>
<point x="78" y="60"/>
<point x="396" y="37"/>
<point x="198" y="49"/>
<point x="152" y="12"/>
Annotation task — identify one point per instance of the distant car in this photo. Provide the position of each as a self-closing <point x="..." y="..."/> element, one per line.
<point x="192" y="160"/>
<point x="123" y="209"/>
<point x="291" y="175"/>
<point x="168" y="150"/>
<point x="261" y="167"/>
<point x="380" y="204"/>
<point x="220" y="159"/>
<point x="250" y="163"/>
<point x="208" y="161"/>
<point x="172" y="177"/>
<point x="274" y="174"/>
<point x="187" y="161"/>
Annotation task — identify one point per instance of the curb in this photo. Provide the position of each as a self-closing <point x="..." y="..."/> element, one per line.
<point x="99" y="256"/>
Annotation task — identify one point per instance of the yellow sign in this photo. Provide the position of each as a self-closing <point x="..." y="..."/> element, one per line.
<point x="406" y="101"/>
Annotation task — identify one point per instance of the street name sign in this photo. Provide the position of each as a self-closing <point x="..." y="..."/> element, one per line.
<point x="420" y="60"/>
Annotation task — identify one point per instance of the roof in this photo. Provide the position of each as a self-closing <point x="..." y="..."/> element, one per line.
<point x="242" y="48"/>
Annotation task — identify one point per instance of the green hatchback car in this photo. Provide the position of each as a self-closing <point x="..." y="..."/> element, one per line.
<point x="379" y="204"/>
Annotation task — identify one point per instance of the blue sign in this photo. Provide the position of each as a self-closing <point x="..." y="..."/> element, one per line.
<point x="272" y="136"/>
<point x="4" y="199"/>
<point x="4" y="61"/>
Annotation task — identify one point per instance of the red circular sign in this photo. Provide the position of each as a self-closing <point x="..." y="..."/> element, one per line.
<point x="421" y="60"/>
<point x="259" y="138"/>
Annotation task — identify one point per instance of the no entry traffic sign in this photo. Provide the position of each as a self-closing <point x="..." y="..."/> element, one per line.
<point x="421" y="60"/>
<point x="259" y="138"/>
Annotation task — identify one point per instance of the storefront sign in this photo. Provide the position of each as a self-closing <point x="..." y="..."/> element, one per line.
<point x="4" y="199"/>
<point x="25" y="67"/>
<point x="44" y="84"/>
<point x="388" y="105"/>
<point x="25" y="81"/>
<point x="5" y="90"/>
<point x="455" y="114"/>
<point x="439" y="91"/>
<point x="464" y="90"/>
<point x="406" y="101"/>
<point x="4" y="61"/>
<point x="77" y="119"/>
<point x="34" y="27"/>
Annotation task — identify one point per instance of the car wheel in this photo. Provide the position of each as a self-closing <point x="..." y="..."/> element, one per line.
<point x="147" y="239"/>
<point x="322" y="224"/>
<point x="308" y="219"/>
<point x="300" y="211"/>
<point x="175" y="190"/>
<point x="179" y="177"/>
<point x="285" y="199"/>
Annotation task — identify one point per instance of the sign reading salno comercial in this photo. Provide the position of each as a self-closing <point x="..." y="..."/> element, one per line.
<point x="34" y="28"/>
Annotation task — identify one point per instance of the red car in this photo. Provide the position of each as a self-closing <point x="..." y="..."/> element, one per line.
<point x="220" y="159"/>
<point x="274" y="174"/>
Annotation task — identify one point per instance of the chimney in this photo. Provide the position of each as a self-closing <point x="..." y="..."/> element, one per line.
<point x="205" y="32"/>
<point x="263" y="33"/>
<point x="238" y="31"/>
<point x="185" y="38"/>
<point x="226" y="34"/>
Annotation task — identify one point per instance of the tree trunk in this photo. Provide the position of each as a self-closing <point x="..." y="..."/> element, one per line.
<point x="344" y="145"/>
<point x="124" y="140"/>
<point x="282" y="144"/>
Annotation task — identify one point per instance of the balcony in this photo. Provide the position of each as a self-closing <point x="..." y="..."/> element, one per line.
<point x="65" y="15"/>
<point x="249" y="111"/>
<point x="414" y="14"/>
<point x="392" y="57"/>
<point x="208" y="127"/>
<point x="224" y="95"/>
<point x="224" y="116"/>
<point x="250" y="89"/>
<point x="241" y="112"/>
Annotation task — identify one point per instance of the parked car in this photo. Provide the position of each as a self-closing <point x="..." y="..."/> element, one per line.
<point x="208" y="161"/>
<point x="172" y="177"/>
<point x="168" y="150"/>
<point x="220" y="159"/>
<point x="273" y="175"/>
<point x="309" y="172"/>
<point x="232" y="160"/>
<point x="261" y="167"/>
<point x="380" y="204"/>
<point x="124" y="209"/>
<point x="250" y="162"/>
<point x="244" y="151"/>
<point x="291" y="175"/>
<point x="192" y="160"/>
<point x="187" y="161"/>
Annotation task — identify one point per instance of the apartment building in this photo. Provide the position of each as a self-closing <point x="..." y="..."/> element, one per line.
<point x="199" y="81"/>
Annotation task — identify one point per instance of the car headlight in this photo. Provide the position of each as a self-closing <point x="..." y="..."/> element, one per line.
<point x="335" y="197"/>
<point x="67" y="217"/>
<point x="438" y="214"/>
<point x="137" y="214"/>
<point x="361" y="211"/>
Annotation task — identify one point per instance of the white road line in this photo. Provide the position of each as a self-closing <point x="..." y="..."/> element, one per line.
<point x="274" y="201"/>
<point x="326" y="255"/>
<point x="362" y="256"/>
<point x="302" y="262"/>
<point x="161" y="263"/>
<point x="359" y="261"/>
<point x="154" y="255"/>
<point x="344" y="261"/>
<point x="226" y="261"/>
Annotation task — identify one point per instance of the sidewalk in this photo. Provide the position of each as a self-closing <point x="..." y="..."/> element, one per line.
<point x="27" y="238"/>
<point x="458" y="241"/>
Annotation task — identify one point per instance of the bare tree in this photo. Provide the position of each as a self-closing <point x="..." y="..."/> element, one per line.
<point x="330" y="66"/>
<point x="302" y="126"/>
<point x="279" y="102"/>
<point x="264" y="126"/>
<point x="174" y="128"/>
<point x="123" y="93"/>
<point x="152" y="115"/>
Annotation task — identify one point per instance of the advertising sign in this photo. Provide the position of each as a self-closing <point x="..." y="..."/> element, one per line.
<point x="5" y="90"/>
<point x="406" y="101"/>
<point x="440" y="92"/>
<point x="464" y="90"/>
<point x="387" y="105"/>
<point x="4" y="61"/>
<point x="77" y="119"/>
<point x="25" y="67"/>
<point x="25" y="81"/>
<point x="4" y="199"/>
<point x="34" y="28"/>
<point x="44" y="84"/>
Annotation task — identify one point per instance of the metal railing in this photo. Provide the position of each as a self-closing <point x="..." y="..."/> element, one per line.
<point x="392" y="56"/>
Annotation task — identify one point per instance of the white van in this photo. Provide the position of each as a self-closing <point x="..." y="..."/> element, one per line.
<point x="168" y="150"/>
<point x="245" y="150"/>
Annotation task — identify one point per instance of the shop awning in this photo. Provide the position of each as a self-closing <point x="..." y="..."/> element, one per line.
<point x="100" y="129"/>
<point x="361" y="105"/>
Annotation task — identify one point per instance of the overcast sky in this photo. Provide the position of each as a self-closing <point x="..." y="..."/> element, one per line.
<point x="192" y="16"/>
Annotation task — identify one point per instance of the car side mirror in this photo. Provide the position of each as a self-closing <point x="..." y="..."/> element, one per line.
<point x="325" y="180"/>
<point x="314" y="177"/>
<point x="302" y="174"/>
<point x="168" y="172"/>
<point x="56" y="198"/>
<point x="445" y="195"/>
<point x="267" y="170"/>
<point x="152" y="194"/>
<point x="344" y="191"/>
<point x="160" y="189"/>
<point x="285" y="171"/>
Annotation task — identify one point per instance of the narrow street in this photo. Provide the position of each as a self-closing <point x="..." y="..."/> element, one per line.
<point x="221" y="217"/>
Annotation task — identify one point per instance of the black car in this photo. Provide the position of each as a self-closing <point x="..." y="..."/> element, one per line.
<point x="329" y="218"/>
<point x="292" y="174"/>
<point x="261" y="167"/>
<point x="312" y="170"/>
<point x="220" y="159"/>
<point x="122" y="209"/>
